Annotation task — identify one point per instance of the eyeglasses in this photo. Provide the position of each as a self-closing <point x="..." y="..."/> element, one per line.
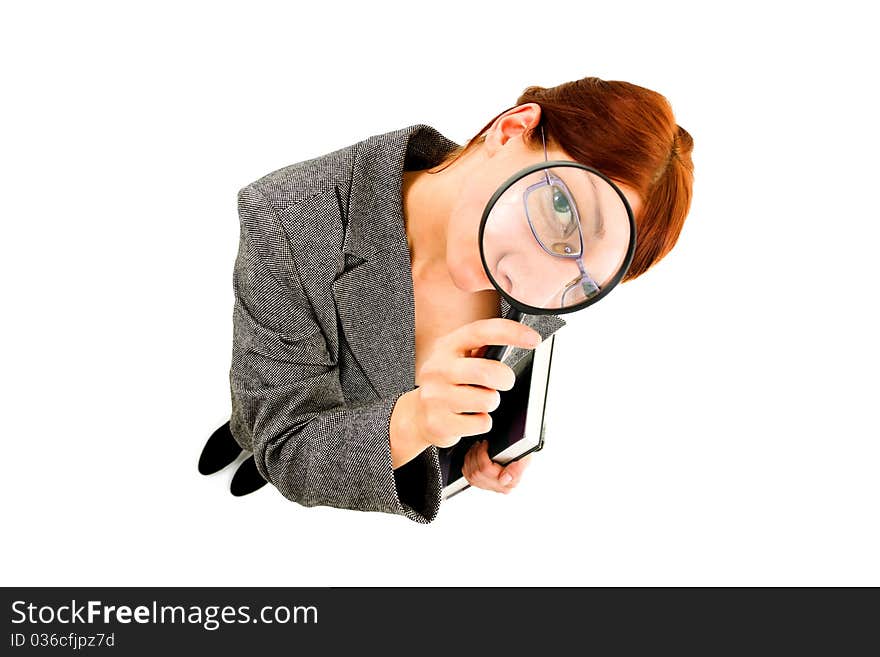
<point x="554" y="221"/>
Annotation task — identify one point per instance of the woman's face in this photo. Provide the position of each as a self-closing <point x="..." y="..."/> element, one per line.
<point x="518" y="262"/>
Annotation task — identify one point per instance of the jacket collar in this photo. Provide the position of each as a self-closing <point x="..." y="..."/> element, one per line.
<point x="375" y="203"/>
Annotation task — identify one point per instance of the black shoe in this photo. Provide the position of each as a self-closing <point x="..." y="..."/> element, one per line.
<point x="220" y="450"/>
<point x="246" y="479"/>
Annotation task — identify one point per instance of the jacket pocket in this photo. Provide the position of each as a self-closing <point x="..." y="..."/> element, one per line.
<point x="298" y="342"/>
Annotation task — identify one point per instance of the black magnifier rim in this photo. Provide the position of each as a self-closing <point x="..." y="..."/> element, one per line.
<point x="627" y="261"/>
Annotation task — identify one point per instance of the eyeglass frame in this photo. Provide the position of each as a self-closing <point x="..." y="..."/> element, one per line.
<point x="579" y="256"/>
<point x="518" y="305"/>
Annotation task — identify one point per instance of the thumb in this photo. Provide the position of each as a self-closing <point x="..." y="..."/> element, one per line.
<point x="511" y="472"/>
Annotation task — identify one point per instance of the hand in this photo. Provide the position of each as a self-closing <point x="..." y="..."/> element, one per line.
<point x="457" y="391"/>
<point x="482" y="472"/>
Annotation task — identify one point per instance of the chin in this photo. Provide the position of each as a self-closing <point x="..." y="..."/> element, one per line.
<point x="460" y="279"/>
<point x="466" y="278"/>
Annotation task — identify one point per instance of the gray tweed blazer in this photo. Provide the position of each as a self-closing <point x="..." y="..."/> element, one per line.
<point x="323" y="327"/>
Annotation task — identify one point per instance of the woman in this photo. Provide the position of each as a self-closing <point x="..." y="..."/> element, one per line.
<point x="361" y="300"/>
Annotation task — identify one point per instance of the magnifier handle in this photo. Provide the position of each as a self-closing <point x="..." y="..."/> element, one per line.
<point x="495" y="351"/>
<point x="499" y="351"/>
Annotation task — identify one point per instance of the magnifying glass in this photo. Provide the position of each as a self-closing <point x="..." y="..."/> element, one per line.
<point x="555" y="237"/>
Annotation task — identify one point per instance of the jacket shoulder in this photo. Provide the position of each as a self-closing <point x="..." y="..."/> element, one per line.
<point x="295" y="183"/>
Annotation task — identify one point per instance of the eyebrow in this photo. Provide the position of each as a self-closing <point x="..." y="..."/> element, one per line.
<point x="598" y="223"/>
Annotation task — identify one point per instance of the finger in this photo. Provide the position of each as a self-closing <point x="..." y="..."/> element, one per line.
<point x="475" y="476"/>
<point x="494" y="330"/>
<point x="468" y="467"/>
<point x="473" y="399"/>
<point x="487" y="470"/>
<point x="514" y="471"/>
<point x="485" y="463"/>
<point x="470" y="424"/>
<point x="483" y="372"/>
<point x="490" y="472"/>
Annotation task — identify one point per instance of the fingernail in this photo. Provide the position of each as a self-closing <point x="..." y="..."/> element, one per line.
<point x="536" y="340"/>
<point x="506" y="479"/>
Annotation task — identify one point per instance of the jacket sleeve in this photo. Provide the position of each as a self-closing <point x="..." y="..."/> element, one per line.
<point x="307" y="441"/>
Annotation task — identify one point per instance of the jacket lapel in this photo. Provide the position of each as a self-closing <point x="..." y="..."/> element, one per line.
<point x="374" y="293"/>
<point x="374" y="300"/>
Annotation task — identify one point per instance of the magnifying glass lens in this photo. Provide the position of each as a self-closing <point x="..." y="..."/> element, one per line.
<point x="556" y="236"/>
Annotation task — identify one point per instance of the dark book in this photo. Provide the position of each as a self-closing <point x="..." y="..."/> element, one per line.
<point x="518" y="424"/>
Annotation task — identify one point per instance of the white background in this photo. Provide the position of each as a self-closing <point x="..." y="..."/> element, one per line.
<point x="731" y="434"/>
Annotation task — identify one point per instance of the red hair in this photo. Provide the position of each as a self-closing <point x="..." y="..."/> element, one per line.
<point x="628" y="133"/>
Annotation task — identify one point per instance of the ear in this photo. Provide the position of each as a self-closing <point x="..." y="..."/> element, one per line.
<point x="512" y="125"/>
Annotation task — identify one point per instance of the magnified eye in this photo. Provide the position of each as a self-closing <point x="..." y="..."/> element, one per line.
<point x="554" y="219"/>
<point x="562" y="212"/>
<point x="560" y="202"/>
